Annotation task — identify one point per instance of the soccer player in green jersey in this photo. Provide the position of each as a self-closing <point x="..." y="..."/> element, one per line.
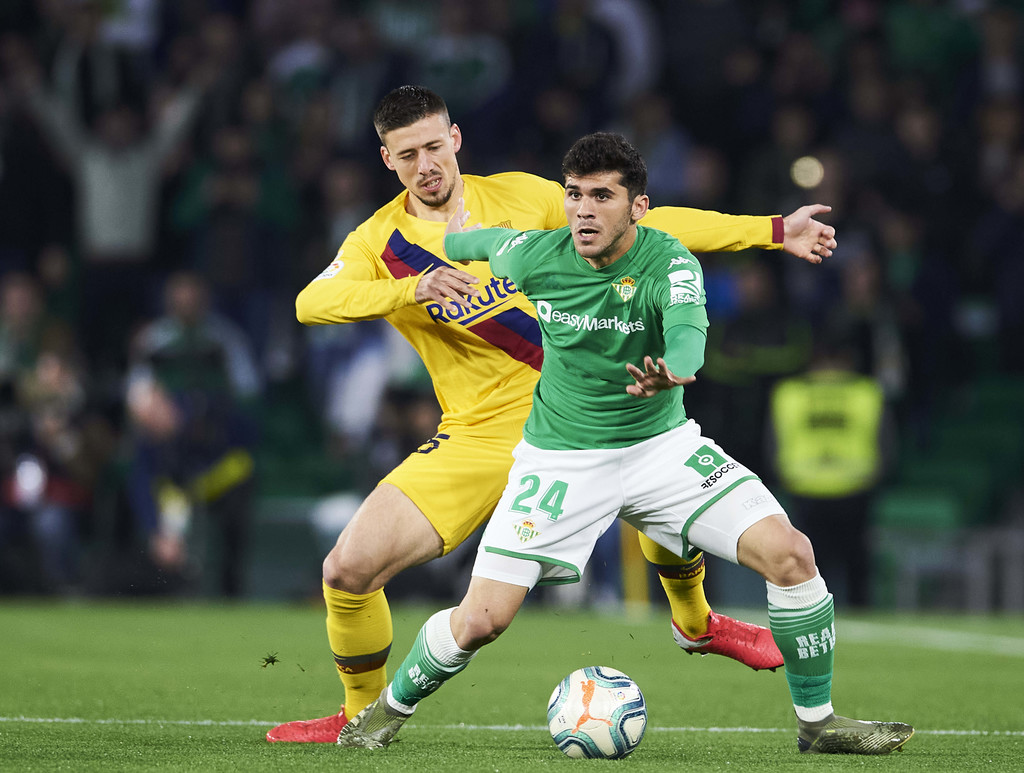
<point x="483" y="365"/>
<point x="623" y="325"/>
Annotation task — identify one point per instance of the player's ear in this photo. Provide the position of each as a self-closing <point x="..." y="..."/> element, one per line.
<point x="456" y="134"/>
<point x="384" y="154"/>
<point x="640" y="206"/>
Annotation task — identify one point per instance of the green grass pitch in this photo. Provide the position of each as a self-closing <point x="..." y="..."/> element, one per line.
<point x="186" y="687"/>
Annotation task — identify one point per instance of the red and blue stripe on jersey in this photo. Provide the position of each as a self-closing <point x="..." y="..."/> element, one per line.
<point x="511" y="330"/>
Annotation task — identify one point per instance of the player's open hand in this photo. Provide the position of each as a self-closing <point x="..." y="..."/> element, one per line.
<point x="458" y="221"/>
<point x="806" y="237"/>
<point x="448" y="286"/>
<point x="654" y="378"/>
<point x="457" y="225"/>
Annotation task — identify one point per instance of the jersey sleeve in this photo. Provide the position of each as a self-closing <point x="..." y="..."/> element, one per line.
<point x="684" y="349"/>
<point x="685" y="316"/>
<point x="350" y="289"/>
<point x="481" y="244"/>
<point x="704" y="230"/>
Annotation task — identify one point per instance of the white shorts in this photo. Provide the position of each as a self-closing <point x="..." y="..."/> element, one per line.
<point x="680" y="489"/>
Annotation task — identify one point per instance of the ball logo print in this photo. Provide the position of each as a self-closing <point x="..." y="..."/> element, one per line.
<point x="597" y="712"/>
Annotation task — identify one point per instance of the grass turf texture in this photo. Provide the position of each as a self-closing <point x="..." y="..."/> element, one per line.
<point x="117" y="687"/>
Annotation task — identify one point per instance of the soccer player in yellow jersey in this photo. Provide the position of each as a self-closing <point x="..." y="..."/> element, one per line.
<point x="480" y="342"/>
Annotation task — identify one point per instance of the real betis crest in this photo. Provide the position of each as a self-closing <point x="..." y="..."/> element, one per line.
<point x="526" y="530"/>
<point x="625" y="287"/>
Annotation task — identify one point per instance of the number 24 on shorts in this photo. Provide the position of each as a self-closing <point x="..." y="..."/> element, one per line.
<point x="550" y="502"/>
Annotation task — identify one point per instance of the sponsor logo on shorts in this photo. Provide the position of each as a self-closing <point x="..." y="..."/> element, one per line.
<point x="526" y="530"/>
<point x="718" y="474"/>
<point x="711" y="464"/>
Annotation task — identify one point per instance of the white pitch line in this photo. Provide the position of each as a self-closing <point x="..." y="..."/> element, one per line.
<point x="945" y="639"/>
<point x="460" y="726"/>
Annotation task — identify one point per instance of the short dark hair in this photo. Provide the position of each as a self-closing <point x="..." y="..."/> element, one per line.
<point x="607" y="152"/>
<point x="405" y="106"/>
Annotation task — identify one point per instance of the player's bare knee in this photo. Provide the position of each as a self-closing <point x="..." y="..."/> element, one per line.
<point x="794" y="562"/>
<point x="479" y="627"/>
<point x="348" y="572"/>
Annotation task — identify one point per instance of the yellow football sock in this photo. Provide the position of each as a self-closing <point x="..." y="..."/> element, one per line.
<point x="683" y="581"/>
<point x="359" y="630"/>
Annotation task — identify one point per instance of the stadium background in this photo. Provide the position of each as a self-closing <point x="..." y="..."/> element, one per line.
<point x="905" y="117"/>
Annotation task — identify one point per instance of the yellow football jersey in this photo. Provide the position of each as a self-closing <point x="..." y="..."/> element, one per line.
<point x="486" y="360"/>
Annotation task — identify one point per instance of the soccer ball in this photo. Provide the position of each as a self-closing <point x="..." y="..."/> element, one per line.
<point x="597" y="712"/>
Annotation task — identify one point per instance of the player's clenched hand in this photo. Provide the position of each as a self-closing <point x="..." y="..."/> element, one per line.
<point x="654" y="378"/>
<point x="806" y="237"/>
<point x="449" y="287"/>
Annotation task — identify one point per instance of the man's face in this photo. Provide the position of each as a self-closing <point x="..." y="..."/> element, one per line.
<point x="423" y="156"/>
<point x="602" y="216"/>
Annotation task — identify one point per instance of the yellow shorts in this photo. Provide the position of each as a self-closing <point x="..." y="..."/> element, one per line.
<point x="456" y="478"/>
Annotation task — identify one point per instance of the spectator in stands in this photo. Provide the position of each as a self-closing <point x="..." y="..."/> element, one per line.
<point x="236" y="211"/>
<point x="192" y="388"/>
<point x="86" y="71"/>
<point x="117" y="170"/>
<point x="53" y="445"/>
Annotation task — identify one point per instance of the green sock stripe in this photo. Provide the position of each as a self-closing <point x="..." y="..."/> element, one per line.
<point x="781" y="613"/>
<point x="421" y="674"/>
<point x="807" y="620"/>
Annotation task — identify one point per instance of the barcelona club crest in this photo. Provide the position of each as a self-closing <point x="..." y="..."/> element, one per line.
<point x="625" y="287"/>
<point x="526" y="530"/>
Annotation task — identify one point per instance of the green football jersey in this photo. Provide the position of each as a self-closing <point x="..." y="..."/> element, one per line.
<point x="593" y="322"/>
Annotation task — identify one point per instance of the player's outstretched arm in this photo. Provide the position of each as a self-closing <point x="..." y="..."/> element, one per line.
<point x="807" y="238"/>
<point x="706" y="231"/>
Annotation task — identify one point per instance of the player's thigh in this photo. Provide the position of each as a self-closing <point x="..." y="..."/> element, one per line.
<point x="457" y="477"/>
<point x="686" y="491"/>
<point x="556" y="506"/>
<point x="720" y="527"/>
<point x="387" y="534"/>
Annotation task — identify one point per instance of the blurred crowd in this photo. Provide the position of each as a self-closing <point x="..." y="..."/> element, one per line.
<point x="173" y="173"/>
